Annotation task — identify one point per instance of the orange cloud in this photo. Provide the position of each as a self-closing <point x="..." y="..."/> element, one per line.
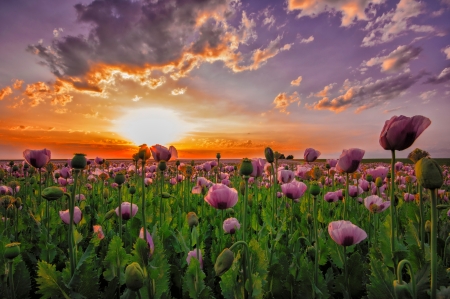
<point x="5" y="92"/>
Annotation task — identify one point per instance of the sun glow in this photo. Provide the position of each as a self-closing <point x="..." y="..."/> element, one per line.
<point x="152" y="126"/>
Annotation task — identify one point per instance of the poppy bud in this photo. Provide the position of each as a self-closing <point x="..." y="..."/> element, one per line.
<point x="18" y="202"/>
<point x="246" y="167"/>
<point x="79" y="161"/>
<point x="369" y="178"/>
<point x="12" y="250"/>
<point x="177" y="163"/>
<point x="429" y="173"/>
<point x="428" y="226"/>
<point x="224" y="262"/>
<point x="268" y="152"/>
<point x="388" y="175"/>
<point x="192" y="219"/>
<point x="327" y="166"/>
<point x="218" y="156"/>
<point x="230" y="211"/>
<point x="314" y="189"/>
<point x="11" y="163"/>
<point x="401" y="290"/>
<point x="105" y="193"/>
<point x="134" y="277"/>
<point x="119" y="178"/>
<point x="378" y="182"/>
<point x="166" y="195"/>
<point x="110" y="214"/>
<point x="132" y="189"/>
<point x="52" y="193"/>
<point x="162" y="165"/>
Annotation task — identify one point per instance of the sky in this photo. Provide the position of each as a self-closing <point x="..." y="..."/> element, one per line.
<point x="231" y="76"/>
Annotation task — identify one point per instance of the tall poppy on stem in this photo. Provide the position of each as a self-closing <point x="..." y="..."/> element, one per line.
<point x="398" y="134"/>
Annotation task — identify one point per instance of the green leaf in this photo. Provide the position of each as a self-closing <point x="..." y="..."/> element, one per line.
<point x="22" y="282"/>
<point x="49" y="282"/>
<point x="381" y="280"/>
<point x="193" y="283"/>
<point x="115" y="260"/>
<point x="258" y="268"/>
<point x="159" y="269"/>
<point x="141" y="252"/>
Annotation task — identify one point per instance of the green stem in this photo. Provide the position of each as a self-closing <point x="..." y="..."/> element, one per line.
<point x="346" y="196"/>
<point x="245" y="207"/>
<point x="316" y="243"/>
<point x="434" y="219"/>
<point x="411" y="274"/>
<point x="120" y="211"/>
<point x="247" y="266"/>
<point x="392" y="207"/>
<point x="422" y="222"/>
<point x="445" y="250"/>
<point x="11" y="279"/>
<point x="345" y="273"/>
<point x="143" y="201"/>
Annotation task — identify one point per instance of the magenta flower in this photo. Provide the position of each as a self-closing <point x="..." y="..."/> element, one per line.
<point x="65" y="172"/>
<point x="294" y="190"/>
<point x="128" y="210"/>
<point x="37" y="158"/>
<point x="150" y="244"/>
<point x="365" y="186"/>
<point x="349" y="160"/>
<point x="346" y="233"/>
<point x="354" y="191"/>
<point x="379" y="172"/>
<point x="221" y="197"/>
<point x="332" y="162"/>
<point x="206" y="166"/>
<point x="193" y="254"/>
<point x="258" y="167"/>
<point x="408" y="197"/>
<point x="99" y="160"/>
<point x="161" y="153"/>
<point x="285" y="176"/>
<point x="80" y="197"/>
<point x="302" y="172"/>
<point x="400" y="132"/>
<point x="65" y="216"/>
<point x="311" y="155"/>
<point x="331" y="196"/>
<point x="231" y="225"/>
<point x="376" y="204"/>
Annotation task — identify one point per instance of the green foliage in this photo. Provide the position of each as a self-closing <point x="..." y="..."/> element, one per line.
<point x="381" y="279"/>
<point x="193" y="283"/>
<point x="115" y="261"/>
<point x="50" y="282"/>
<point x="159" y="269"/>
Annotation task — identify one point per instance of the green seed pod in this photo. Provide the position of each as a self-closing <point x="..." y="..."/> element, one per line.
<point x="246" y="167"/>
<point x="132" y="190"/>
<point x="162" y="165"/>
<point x="401" y="290"/>
<point x="15" y="168"/>
<point x="230" y="211"/>
<point x="110" y="214"/>
<point x="52" y="193"/>
<point x="314" y="189"/>
<point x="224" y="262"/>
<point x="79" y="161"/>
<point x="369" y="178"/>
<point x="192" y="219"/>
<point x="105" y="193"/>
<point x="177" y="163"/>
<point x="166" y="195"/>
<point x="388" y="175"/>
<point x="268" y="152"/>
<point x="119" y="178"/>
<point x="218" y="156"/>
<point x="134" y="277"/>
<point x="378" y="182"/>
<point x="429" y="173"/>
<point x="12" y="250"/>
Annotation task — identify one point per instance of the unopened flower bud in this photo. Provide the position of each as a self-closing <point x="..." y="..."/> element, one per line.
<point x="428" y="226"/>
<point x="378" y="182"/>
<point x="134" y="277"/>
<point x="119" y="178"/>
<point x="224" y="262"/>
<point x="12" y="250"/>
<point x="429" y="173"/>
<point x="79" y="161"/>
<point x="314" y="189"/>
<point x="369" y="178"/>
<point x="52" y="193"/>
<point x="246" y="167"/>
<point x="132" y="190"/>
<point x="268" y="152"/>
<point x="192" y="219"/>
<point x="110" y="214"/>
<point x="162" y="165"/>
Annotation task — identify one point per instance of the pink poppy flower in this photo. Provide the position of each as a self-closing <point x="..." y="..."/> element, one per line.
<point x="350" y="159"/>
<point x="98" y="230"/>
<point x="65" y="215"/>
<point x="161" y="153"/>
<point x="294" y="190"/>
<point x="150" y="244"/>
<point x="193" y="254"/>
<point x="37" y="158"/>
<point x="346" y="233"/>
<point x="331" y="197"/>
<point x="221" y="197"/>
<point x="285" y="176"/>
<point x="128" y="210"/>
<point x="311" y="155"/>
<point x="400" y="132"/>
<point x="376" y="204"/>
<point x="231" y="225"/>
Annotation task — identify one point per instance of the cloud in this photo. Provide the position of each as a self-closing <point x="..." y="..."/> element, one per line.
<point x="352" y="10"/>
<point x="367" y="94"/>
<point x="446" y="51"/>
<point x="307" y="40"/>
<point x="269" y="18"/>
<point x="392" y="24"/>
<point x="260" y="56"/>
<point x="56" y="32"/>
<point x="5" y="92"/>
<point x="18" y="84"/>
<point x="444" y="76"/>
<point x="425" y="96"/>
<point x="178" y="91"/>
<point x="282" y="101"/>
<point x="136" y="98"/>
<point x="396" y="60"/>
<point x="325" y="90"/>
<point x="393" y="109"/>
<point x="297" y="81"/>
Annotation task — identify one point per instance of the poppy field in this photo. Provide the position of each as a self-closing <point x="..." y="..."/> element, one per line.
<point x="157" y="226"/>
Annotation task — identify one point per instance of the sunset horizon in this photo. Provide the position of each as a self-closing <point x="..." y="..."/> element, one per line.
<point x="102" y="77"/>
